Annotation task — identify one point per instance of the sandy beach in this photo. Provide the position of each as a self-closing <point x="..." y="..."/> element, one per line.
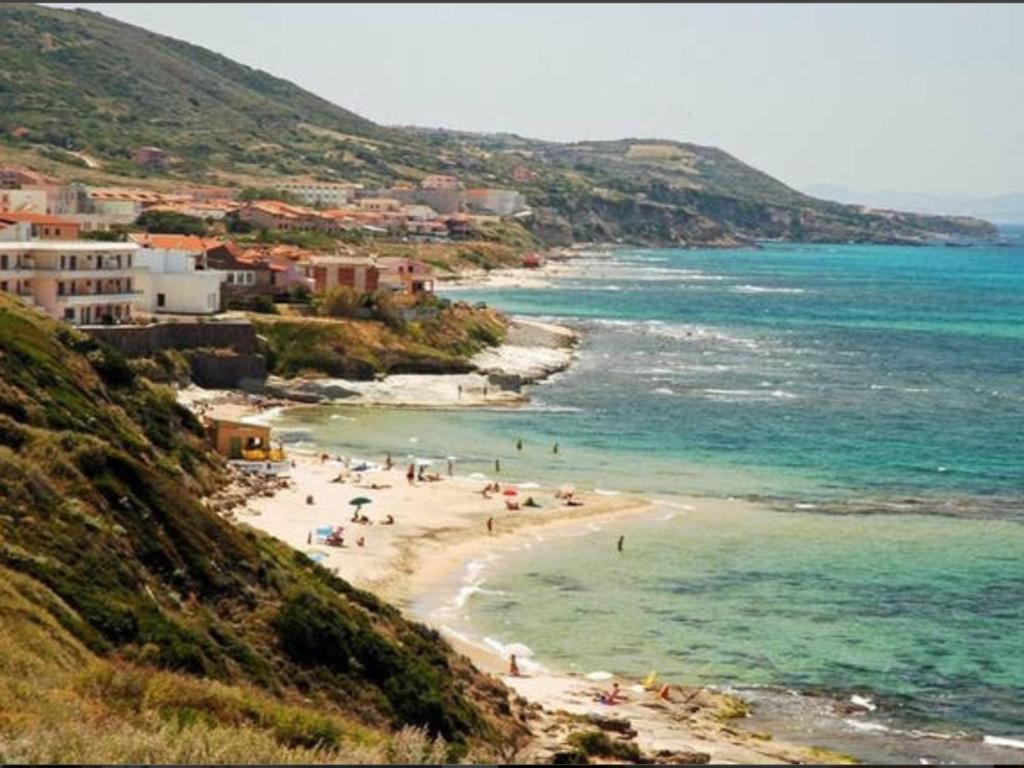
<point x="441" y="526"/>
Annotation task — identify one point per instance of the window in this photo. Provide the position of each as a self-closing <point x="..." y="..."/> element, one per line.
<point x="69" y="313"/>
<point x="161" y="300"/>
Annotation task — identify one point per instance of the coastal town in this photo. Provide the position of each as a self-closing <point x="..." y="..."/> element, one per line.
<point x="79" y="253"/>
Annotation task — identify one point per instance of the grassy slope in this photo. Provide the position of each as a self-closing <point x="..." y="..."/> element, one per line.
<point x="362" y="349"/>
<point x="128" y="602"/>
<point x="82" y="81"/>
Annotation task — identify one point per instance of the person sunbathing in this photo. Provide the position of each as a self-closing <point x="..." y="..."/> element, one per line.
<point x="511" y="505"/>
<point x="389" y="520"/>
<point x="573" y="503"/>
<point x="361" y="542"/>
<point x="614" y="696"/>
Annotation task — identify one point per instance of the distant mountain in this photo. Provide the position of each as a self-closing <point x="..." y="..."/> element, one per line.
<point x="76" y="81"/>
<point x="1002" y="209"/>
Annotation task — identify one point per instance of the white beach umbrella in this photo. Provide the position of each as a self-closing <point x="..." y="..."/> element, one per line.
<point x="423" y="462"/>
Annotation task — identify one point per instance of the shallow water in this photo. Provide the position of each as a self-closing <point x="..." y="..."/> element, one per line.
<point x="873" y="396"/>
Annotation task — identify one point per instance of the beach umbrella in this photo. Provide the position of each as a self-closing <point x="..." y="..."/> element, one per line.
<point x="423" y="462"/>
<point x="358" y="502"/>
<point x="510" y="492"/>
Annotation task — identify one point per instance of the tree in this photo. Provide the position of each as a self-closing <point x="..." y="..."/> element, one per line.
<point x="171" y="222"/>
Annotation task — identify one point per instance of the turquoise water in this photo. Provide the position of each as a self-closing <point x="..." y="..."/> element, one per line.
<point x="873" y="397"/>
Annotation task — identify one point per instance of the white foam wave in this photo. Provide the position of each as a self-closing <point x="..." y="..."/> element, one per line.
<point x="1002" y="741"/>
<point x="741" y="395"/>
<point x="662" y="391"/>
<point x="765" y="289"/>
<point x="603" y="492"/>
<point x="599" y="675"/>
<point x="864" y="725"/>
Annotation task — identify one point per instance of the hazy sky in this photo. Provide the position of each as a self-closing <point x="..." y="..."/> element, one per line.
<point x="912" y="97"/>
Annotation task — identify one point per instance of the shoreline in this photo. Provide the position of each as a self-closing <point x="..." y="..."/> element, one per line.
<point x="531" y="352"/>
<point x="440" y="527"/>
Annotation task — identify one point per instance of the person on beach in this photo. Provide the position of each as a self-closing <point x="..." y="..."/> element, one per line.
<point x="451" y="467"/>
<point x="490" y="528"/>
<point x="485" y="391"/>
<point x="388" y="463"/>
<point x="513" y="667"/>
<point x="389" y="520"/>
<point x="663" y="693"/>
<point x="611" y="697"/>
<point x="460" y="392"/>
<point x="410" y="475"/>
<point x="621" y="540"/>
<point x="361" y="541"/>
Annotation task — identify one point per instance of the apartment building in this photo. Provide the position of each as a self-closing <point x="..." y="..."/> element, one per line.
<point x="80" y="282"/>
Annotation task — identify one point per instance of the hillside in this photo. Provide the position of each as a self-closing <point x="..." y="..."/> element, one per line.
<point x="76" y="81"/>
<point x="137" y="626"/>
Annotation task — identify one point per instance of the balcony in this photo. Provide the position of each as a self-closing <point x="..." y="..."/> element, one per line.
<point x="80" y="299"/>
<point x="80" y="273"/>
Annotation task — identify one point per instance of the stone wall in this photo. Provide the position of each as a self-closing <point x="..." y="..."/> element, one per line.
<point x="221" y="355"/>
<point x="145" y="340"/>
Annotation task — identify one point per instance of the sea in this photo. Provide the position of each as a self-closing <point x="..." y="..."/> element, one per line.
<point x="869" y="401"/>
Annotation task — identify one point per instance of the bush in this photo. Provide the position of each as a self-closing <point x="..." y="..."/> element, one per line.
<point x="170" y="222"/>
<point x="341" y="301"/>
<point x="598" y="744"/>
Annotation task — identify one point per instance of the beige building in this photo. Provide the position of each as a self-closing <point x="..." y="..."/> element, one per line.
<point x="80" y="282"/>
<point x="323" y="193"/>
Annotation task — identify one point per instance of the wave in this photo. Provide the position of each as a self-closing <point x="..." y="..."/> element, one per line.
<point x="1002" y="741"/>
<point x="765" y="289"/>
<point x="747" y="395"/>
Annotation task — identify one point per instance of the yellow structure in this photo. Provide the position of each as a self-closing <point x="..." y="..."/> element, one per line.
<point x="240" y="441"/>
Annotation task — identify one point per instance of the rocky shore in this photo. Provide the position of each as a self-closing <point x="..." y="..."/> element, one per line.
<point x="532" y="351"/>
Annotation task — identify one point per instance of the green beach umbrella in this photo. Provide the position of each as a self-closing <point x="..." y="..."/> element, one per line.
<point x="358" y="502"/>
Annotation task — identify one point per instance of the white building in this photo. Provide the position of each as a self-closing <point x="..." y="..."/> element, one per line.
<point x="80" y="282"/>
<point x="170" y="283"/>
<point x="323" y="193"/>
<point x="29" y="200"/>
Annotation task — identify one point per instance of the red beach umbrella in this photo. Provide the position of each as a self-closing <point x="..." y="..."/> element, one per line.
<point x="510" y="492"/>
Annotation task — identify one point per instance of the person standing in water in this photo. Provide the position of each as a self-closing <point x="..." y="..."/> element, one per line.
<point x="450" y="468"/>
<point x="410" y="474"/>
<point x="519" y="444"/>
<point x="513" y="667"/>
<point x="554" y="449"/>
<point x="621" y="540"/>
<point x="497" y="466"/>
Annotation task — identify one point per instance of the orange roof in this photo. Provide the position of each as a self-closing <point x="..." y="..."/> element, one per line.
<point x="35" y="218"/>
<point x="175" y="242"/>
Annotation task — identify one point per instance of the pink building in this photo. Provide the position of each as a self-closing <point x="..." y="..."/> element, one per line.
<point x="406" y="275"/>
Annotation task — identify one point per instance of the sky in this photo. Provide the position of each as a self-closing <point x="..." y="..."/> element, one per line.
<point x="917" y="97"/>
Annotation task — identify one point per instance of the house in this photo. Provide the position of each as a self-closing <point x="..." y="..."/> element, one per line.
<point x="380" y="204"/>
<point x="42" y="226"/>
<point x="522" y="174"/>
<point x="240" y="441"/>
<point x="175" y="279"/>
<point x="329" y="272"/>
<point x="151" y="157"/>
<point x="322" y="193"/>
<point x="244" y="275"/>
<point x="80" y="282"/>
<point x="273" y="214"/>
<point x="440" y="182"/>
<point x="405" y="275"/>
<point x="31" y="200"/>
<point x="426" y="229"/>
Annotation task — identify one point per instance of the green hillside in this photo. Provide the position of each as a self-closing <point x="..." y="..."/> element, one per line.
<point x="78" y="82"/>
<point x="134" y="619"/>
